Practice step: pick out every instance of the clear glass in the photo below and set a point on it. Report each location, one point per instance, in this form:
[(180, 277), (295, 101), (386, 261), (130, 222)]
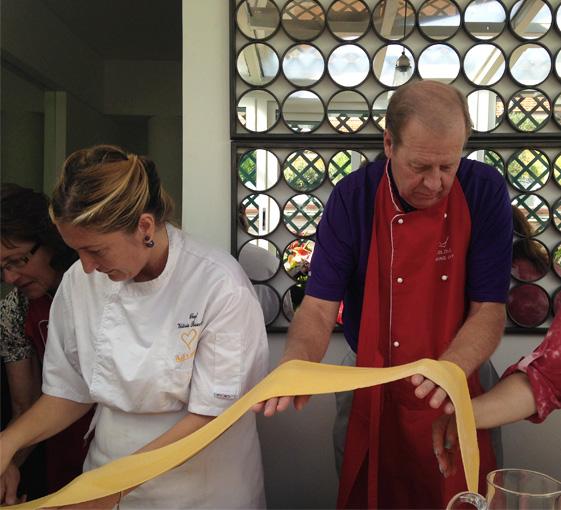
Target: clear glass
[(485, 19), (514, 489)]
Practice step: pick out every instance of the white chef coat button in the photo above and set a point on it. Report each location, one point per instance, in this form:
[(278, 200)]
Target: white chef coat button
[(400, 221), (396, 344), (444, 277), (400, 280)]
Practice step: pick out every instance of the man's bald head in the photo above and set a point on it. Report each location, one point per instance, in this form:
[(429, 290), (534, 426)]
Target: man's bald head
[(435, 105)]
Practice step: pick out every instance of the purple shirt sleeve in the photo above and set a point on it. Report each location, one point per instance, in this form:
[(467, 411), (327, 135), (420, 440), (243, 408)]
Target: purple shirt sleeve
[(490, 253)]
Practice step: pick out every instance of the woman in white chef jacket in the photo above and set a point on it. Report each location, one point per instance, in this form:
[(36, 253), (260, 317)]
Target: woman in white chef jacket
[(160, 331)]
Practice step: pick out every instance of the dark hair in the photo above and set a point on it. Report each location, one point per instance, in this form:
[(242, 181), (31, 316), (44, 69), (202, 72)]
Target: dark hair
[(25, 217), (108, 189)]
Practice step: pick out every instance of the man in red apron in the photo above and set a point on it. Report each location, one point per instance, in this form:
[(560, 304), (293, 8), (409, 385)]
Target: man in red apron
[(418, 247)]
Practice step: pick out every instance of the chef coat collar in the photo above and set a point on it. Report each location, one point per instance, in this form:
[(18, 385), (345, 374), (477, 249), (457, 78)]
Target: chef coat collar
[(133, 288), (404, 205)]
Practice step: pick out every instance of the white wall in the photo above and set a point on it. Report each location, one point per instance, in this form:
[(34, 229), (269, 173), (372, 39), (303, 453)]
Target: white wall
[(297, 450), (206, 142)]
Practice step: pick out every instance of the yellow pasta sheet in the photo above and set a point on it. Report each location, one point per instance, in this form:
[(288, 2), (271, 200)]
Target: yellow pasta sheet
[(292, 378)]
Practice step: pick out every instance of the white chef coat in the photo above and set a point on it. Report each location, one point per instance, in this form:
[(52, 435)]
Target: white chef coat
[(191, 340)]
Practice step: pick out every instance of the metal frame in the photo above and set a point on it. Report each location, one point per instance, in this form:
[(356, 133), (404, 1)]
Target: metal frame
[(242, 141)]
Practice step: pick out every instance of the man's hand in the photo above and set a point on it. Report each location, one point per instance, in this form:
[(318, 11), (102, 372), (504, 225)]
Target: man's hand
[(445, 444), (279, 404), (425, 386), (9, 482)]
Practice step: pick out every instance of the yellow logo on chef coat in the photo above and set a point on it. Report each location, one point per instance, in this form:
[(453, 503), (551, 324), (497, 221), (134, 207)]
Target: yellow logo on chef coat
[(189, 338)]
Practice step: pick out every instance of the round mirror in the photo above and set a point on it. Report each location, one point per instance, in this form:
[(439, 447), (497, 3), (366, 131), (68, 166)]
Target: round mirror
[(558, 64), (557, 169), (531, 215), (257, 64), (486, 109), (257, 110), (527, 305), (259, 214), (258, 19), (530, 260), (348, 111), (269, 300), (439, 62), (556, 301), (529, 110), (304, 170), (558, 19), (489, 157), (380, 107), (556, 214), (530, 19), (393, 65), (297, 257), (343, 163), (528, 170), (557, 110), (485, 19), (529, 64), (260, 259), (348, 20), (556, 262), (484, 64), (303, 111), (292, 299), (348, 65), (393, 20), (258, 169), (303, 20), (301, 215), (303, 65), (439, 19)]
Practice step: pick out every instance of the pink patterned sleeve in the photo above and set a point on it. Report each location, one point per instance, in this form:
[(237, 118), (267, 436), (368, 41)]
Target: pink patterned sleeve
[(543, 368)]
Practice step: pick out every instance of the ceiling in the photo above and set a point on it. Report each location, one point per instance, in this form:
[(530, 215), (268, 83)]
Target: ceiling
[(124, 29)]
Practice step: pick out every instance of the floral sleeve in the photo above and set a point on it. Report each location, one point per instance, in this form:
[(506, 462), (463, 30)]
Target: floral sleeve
[(543, 368), (14, 346)]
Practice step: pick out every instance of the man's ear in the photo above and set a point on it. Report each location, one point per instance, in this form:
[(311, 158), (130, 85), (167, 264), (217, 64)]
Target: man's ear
[(388, 143)]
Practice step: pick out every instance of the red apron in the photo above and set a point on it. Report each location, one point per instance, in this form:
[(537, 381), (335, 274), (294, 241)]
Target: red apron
[(414, 304), (66, 451)]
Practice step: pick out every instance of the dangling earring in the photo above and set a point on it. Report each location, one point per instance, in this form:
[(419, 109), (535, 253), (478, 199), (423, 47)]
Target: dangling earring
[(149, 243)]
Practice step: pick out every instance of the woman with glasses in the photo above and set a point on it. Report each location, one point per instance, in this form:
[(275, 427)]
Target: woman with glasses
[(33, 260), (159, 330)]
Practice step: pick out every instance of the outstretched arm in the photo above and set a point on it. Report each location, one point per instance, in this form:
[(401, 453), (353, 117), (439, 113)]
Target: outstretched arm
[(308, 339), (476, 340), (510, 400)]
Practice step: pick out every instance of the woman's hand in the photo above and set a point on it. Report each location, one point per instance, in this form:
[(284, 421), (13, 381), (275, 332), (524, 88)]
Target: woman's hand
[(445, 444), (9, 481)]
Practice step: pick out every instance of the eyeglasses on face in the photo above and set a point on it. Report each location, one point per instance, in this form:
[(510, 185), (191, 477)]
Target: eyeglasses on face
[(19, 262)]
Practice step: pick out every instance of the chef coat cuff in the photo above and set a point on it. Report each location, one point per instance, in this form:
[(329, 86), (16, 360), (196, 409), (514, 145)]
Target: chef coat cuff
[(207, 410), (67, 394)]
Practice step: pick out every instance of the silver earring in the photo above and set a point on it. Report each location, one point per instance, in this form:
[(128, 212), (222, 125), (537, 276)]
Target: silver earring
[(149, 243)]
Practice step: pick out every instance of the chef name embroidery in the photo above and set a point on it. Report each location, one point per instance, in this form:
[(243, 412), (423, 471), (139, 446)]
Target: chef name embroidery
[(444, 252), (189, 339)]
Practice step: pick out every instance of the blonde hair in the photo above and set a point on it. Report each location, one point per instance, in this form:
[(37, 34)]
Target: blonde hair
[(107, 189), (435, 104)]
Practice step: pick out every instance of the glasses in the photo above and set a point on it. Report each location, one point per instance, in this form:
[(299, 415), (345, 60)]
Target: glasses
[(18, 263)]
